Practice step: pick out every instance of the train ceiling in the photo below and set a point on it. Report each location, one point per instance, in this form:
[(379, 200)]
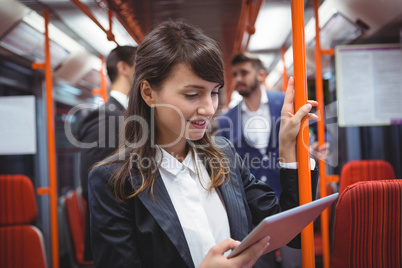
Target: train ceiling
[(219, 19), (229, 22)]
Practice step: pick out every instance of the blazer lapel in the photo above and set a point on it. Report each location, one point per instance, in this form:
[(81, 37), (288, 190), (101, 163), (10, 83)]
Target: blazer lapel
[(234, 207), (162, 209)]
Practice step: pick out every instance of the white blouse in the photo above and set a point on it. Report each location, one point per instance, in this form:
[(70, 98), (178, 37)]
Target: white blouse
[(202, 214)]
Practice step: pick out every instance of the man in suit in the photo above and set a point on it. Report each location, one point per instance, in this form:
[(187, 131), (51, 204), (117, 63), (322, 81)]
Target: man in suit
[(253, 128), (101, 126), (253, 125)]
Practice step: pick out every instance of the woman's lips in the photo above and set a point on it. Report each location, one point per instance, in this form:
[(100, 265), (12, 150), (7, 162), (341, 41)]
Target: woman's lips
[(200, 124)]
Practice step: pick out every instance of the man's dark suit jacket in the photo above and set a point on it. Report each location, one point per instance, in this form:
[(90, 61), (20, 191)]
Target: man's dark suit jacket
[(100, 127), (231, 127), (146, 232)]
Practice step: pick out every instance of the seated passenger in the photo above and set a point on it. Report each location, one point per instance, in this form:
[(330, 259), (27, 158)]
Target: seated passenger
[(172, 196)]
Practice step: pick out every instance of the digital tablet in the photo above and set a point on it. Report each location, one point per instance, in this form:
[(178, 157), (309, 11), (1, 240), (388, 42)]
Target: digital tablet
[(284, 226)]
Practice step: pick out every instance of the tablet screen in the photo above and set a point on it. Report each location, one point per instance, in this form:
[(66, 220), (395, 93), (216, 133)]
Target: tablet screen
[(284, 226)]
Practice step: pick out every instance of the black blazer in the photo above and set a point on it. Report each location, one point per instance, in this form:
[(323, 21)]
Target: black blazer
[(98, 127), (146, 232), (102, 127)]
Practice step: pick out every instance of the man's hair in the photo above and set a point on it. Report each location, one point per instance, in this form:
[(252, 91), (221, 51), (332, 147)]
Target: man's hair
[(248, 57), (120, 53)]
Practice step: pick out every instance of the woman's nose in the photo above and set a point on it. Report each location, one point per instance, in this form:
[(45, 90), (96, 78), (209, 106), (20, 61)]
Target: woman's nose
[(207, 108)]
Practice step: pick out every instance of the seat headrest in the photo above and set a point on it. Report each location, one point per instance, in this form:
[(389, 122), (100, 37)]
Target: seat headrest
[(17, 200)]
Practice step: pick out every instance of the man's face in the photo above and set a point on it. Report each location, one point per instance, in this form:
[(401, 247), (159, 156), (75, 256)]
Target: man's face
[(246, 78)]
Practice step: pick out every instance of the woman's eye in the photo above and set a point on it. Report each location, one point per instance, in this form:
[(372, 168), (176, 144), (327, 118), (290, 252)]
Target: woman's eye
[(191, 95), (215, 93)]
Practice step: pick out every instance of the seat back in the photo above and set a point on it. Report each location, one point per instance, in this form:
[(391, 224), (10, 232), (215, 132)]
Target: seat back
[(318, 239), (75, 208), (368, 226), (21, 245), (365, 170)]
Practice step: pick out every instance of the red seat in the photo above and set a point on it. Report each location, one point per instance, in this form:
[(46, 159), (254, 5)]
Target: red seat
[(318, 241), (75, 207), (368, 226), (365, 170), (21, 245)]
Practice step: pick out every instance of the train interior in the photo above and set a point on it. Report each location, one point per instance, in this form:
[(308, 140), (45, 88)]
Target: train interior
[(78, 47)]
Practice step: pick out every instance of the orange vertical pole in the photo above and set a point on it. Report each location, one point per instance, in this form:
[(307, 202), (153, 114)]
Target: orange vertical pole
[(51, 147), (321, 136), (52, 190), (103, 89), (303, 143), (284, 73)]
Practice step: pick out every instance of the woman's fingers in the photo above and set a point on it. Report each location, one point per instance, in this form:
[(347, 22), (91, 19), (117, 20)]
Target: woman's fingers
[(313, 102), (289, 97), (215, 256), (290, 123), (225, 245), (302, 112), (312, 116), (248, 257), (288, 103), (290, 89)]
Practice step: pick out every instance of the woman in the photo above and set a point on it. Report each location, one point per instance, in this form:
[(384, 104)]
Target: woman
[(172, 196)]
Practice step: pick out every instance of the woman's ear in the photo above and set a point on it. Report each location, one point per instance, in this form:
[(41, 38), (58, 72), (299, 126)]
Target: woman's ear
[(147, 94)]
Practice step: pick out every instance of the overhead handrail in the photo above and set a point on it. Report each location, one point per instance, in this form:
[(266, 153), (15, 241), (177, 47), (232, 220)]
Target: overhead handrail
[(102, 91), (88, 12), (110, 35), (248, 16), (52, 189), (253, 10), (321, 137), (127, 17), (303, 143), (236, 47)]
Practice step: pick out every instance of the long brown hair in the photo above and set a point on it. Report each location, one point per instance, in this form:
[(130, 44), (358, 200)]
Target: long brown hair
[(168, 45)]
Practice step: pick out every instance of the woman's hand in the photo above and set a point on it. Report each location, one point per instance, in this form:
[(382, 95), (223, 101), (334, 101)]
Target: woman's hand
[(290, 124), (319, 152), (247, 258)]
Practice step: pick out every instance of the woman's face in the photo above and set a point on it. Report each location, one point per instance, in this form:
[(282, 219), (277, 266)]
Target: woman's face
[(184, 106)]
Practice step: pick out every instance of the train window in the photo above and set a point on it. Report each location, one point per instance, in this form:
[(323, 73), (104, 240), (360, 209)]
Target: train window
[(16, 80)]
